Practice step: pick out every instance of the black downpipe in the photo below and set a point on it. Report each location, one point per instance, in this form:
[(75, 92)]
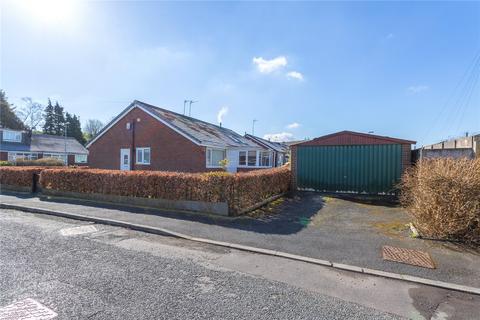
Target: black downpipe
[(133, 153)]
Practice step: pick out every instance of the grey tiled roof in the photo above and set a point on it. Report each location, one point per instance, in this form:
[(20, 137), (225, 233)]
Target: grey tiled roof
[(202, 132), (56, 144), (277, 146)]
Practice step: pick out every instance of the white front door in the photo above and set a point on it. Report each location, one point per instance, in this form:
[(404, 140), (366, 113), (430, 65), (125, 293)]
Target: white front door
[(124, 159)]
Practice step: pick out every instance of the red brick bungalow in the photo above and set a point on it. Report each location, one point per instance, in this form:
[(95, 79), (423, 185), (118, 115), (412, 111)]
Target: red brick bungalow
[(146, 137)]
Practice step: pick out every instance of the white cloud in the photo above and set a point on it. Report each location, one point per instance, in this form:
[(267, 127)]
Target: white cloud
[(269, 66), (417, 89), (279, 137), (293, 125), (221, 113), (295, 75)]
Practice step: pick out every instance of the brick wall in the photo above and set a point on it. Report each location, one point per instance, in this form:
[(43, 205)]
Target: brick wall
[(170, 151)]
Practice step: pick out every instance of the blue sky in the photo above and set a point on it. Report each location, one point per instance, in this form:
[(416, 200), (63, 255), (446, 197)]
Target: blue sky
[(302, 69)]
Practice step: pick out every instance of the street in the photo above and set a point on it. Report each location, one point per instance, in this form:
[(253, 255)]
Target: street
[(81, 270)]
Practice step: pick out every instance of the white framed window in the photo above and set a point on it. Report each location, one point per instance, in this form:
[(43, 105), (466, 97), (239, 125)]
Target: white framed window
[(265, 158), (143, 156), (14, 156), (12, 136), (247, 158), (214, 156), (80, 158)]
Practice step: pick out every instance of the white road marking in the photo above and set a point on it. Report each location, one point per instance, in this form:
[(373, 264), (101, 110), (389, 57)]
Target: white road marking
[(27, 309), (78, 230)]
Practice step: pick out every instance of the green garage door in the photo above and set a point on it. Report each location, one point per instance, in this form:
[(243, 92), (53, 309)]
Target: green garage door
[(351, 168)]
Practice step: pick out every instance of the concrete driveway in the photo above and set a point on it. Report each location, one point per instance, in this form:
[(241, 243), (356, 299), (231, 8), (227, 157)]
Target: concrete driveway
[(310, 224)]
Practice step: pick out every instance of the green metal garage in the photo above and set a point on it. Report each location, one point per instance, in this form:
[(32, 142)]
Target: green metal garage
[(349, 161)]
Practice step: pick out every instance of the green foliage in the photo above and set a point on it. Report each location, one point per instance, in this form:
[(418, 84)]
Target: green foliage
[(8, 118), (56, 120), (5, 164), (49, 118), (59, 118), (74, 128)]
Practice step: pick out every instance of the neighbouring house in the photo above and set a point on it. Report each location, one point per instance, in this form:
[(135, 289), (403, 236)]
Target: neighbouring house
[(279, 150), (463, 147), (350, 162), (146, 137), (17, 144)]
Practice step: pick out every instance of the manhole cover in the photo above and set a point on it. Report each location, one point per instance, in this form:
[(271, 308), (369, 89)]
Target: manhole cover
[(408, 256), (27, 309)]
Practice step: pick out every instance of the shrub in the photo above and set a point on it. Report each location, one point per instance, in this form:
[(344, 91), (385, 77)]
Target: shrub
[(443, 197), (18, 176), (240, 190), (255, 186), (43, 162), (5, 164)]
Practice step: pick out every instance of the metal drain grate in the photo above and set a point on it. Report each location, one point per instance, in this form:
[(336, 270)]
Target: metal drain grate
[(408, 256)]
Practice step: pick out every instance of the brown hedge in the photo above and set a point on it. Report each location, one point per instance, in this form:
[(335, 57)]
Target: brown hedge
[(240, 190), (18, 176), (443, 197)]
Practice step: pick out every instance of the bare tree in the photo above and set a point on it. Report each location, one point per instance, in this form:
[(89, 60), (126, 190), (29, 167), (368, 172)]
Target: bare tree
[(92, 128), (31, 113)]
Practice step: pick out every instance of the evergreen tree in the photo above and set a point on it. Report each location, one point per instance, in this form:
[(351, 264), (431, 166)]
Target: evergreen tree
[(49, 117), (74, 128), (8, 118), (59, 119)]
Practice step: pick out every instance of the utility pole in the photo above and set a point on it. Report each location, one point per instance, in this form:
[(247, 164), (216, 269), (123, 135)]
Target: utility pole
[(253, 126), (184, 103)]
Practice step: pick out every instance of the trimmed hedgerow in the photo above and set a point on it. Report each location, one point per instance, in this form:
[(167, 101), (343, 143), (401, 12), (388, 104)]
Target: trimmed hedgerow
[(42, 162), (18, 176), (240, 190), (443, 197)]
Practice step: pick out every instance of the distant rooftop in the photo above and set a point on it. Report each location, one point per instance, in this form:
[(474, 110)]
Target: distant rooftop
[(277, 146), (56, 144)]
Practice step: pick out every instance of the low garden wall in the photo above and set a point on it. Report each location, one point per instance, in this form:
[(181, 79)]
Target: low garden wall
[(443, 197), (215, 192)]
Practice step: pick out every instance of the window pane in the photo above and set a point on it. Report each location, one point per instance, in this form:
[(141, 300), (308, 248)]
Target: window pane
[(209, 157), (80, 158), (242, 158), (146, 156), (217, 156), (265, 159), (139, 156), (252, 158)]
